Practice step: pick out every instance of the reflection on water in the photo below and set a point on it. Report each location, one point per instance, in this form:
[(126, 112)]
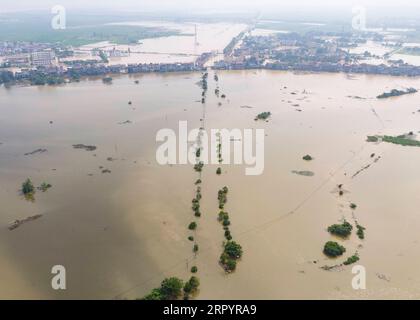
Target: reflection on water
[(120, 233)]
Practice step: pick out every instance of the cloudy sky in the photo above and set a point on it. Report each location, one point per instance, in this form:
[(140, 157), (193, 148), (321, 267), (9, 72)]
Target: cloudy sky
[(140, 5)]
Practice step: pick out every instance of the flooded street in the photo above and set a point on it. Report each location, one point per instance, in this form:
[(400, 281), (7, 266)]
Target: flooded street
[(193, 40), (117, 220)]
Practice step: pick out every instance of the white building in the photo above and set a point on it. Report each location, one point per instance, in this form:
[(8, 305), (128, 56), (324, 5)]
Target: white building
[(42, 58)]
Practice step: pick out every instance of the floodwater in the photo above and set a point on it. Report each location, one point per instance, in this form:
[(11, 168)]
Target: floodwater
[(119, 234), (193, 40)]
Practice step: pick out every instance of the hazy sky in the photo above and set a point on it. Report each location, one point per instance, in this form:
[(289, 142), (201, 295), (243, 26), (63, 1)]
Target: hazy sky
[(139, 5)]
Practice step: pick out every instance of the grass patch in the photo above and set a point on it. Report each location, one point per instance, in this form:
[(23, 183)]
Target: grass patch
[(263, 116), (28, 188), (231, 253), (372, 139), (341, 230), (360, 231), (192, 226), (402, 140), (396, 93), (350, 260), (307, 158), (333, 249)]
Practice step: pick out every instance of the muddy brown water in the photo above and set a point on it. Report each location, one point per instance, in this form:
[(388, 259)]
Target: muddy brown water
[(120, 233)]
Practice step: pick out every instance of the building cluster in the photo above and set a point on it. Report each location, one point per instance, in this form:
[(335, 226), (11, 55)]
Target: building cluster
[(60, 74), (307, 53), (42, 63), (9, 48)]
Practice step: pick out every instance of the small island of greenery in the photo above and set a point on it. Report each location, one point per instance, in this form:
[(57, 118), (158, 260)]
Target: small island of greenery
[(402, 140), (333, 249), (372, 139), (353, 259), (172, 289), (341, 230), (263, 116), (192, 226), (199, 166), (307, 158), (44, 186), (231, 253), (191, 287), (360, 231), (222, 197), (28, 187), (396, 93)]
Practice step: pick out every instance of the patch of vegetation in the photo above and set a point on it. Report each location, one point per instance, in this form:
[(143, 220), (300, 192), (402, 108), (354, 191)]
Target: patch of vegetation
[(372, 139), (196, 205), (28, 187), (304, 173), (231, 253), (224, 220), (350, 260), (170, 289), (360, 231), (155, 294), (342, 230), (191, 287), (219, 171), (198, 181), (191, 238), (222, 197), (263, 116), (192, 226), (199, 166), (333, 249), (307, 157), (39, 79), (228, 235), (403, 140), (44, 186), (396, 93), (103, 57), (194, 269), (223, 216), (195, 248), (353, 206)]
